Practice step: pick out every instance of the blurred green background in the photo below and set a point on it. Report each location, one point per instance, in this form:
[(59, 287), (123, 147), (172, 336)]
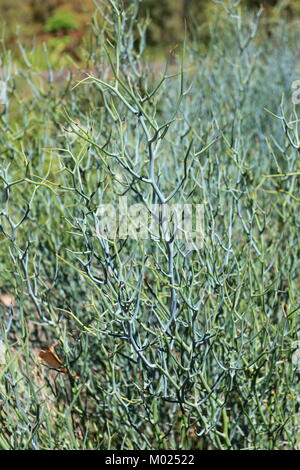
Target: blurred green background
[(64, 24)]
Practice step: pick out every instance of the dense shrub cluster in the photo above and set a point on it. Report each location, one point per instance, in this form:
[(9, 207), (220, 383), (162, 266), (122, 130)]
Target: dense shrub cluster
[(61, 21), (162, 346)]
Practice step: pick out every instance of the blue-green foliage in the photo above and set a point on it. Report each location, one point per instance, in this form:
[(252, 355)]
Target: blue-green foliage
[(174, 349)]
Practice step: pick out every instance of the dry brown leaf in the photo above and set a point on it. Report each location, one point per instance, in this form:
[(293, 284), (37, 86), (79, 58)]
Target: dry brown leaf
[(192, 432), (7, 300), (49, 357)]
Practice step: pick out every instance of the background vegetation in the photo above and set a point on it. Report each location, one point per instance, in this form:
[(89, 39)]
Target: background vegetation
[(169, 19), (157, 346)]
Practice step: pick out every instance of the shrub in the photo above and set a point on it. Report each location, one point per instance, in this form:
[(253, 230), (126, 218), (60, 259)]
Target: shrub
[(173, 348), (62, 21)]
